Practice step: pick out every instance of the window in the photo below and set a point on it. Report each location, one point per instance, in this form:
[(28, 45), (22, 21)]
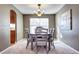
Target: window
[(36, 22)]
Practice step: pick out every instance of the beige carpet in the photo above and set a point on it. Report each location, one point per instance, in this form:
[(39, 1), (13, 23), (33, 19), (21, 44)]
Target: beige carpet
[(20, 48)]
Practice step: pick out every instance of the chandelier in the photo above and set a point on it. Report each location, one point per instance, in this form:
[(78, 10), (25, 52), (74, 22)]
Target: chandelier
[(39, 12)]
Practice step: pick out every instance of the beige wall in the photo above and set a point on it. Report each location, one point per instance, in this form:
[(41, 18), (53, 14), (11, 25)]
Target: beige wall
[(70, 37), (5, 25), (27, 18)]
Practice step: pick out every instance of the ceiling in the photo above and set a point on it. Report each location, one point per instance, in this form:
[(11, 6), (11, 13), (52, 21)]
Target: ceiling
[(30, 8)]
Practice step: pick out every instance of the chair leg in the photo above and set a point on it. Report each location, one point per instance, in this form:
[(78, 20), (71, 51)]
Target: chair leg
[(31, 45), (36, 48), (53, 45), (27, 44), (48, 46)]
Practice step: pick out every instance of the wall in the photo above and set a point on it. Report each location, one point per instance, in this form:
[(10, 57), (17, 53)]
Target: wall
[(5, 25), (27, 18), (71, 37)]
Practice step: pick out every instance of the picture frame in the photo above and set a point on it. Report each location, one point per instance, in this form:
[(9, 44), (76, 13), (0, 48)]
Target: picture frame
[(66, 20)]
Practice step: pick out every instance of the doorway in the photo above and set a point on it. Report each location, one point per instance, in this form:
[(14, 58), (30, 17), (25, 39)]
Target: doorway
[(12, 26)]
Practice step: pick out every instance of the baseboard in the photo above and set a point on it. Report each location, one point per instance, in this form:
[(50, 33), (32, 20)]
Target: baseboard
[(70, 47), (8, 47), (5, 50)]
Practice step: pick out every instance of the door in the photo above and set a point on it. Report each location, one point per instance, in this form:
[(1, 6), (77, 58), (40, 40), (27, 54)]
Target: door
[(12, 27)]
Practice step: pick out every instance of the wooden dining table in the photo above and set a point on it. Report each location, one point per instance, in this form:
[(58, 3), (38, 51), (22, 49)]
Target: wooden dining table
[(32, 35)]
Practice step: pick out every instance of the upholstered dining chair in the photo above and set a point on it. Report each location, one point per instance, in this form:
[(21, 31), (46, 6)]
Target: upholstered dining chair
[(41, 39)]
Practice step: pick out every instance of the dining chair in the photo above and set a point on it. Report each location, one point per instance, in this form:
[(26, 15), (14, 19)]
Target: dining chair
[(41, 39), (52, 32), (28, 37)]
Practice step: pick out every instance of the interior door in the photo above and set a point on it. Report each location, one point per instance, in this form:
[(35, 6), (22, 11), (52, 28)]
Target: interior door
[(12, 26)]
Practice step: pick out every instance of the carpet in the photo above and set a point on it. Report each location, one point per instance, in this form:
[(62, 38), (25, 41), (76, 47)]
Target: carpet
[(20, 48)]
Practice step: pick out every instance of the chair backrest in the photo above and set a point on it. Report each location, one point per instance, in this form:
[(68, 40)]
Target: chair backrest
[(52, 32), (41, 30), (27, 31), (42, 34), (37, 30), (44, 31)]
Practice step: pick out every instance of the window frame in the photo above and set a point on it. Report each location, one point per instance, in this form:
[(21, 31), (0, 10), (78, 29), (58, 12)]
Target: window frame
[(39, 22)]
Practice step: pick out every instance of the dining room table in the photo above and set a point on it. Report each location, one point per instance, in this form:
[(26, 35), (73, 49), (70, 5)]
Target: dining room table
[(32, 36)]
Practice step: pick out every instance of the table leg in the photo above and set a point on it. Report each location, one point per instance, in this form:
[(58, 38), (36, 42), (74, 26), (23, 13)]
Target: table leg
[(31, 45), (49, 45)]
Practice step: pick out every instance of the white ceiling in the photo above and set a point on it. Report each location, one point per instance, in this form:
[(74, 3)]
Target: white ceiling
[(30, 8)]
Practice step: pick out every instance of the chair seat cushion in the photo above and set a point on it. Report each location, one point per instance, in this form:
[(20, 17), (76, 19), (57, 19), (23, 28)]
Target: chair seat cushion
[(43, 43)]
